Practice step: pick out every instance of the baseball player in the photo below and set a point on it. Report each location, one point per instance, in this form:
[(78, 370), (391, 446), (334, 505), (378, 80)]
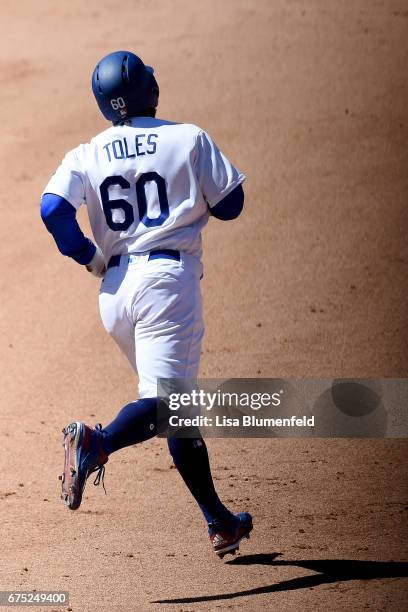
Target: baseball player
[(150, 186)]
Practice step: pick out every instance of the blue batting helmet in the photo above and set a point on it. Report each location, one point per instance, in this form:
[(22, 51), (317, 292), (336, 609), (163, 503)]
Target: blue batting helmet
[(123, 86)]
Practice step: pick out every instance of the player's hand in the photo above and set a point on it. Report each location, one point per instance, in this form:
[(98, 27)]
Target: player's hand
[(97, 265)]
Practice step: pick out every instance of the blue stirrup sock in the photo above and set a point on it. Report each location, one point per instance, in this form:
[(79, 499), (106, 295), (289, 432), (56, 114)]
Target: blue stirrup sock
[(135, 423), (190, 457)]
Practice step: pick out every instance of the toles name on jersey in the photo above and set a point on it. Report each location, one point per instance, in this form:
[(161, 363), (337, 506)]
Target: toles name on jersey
[(141, 144)]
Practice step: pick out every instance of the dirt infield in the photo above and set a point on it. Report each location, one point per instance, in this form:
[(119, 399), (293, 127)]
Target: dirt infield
[(310, 100)]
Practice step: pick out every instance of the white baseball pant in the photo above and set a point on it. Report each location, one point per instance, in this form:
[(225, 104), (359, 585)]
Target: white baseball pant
[(153, 311)]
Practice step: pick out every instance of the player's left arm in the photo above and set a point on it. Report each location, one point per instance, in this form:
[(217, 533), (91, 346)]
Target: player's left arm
[(220, 181), (229, 207)]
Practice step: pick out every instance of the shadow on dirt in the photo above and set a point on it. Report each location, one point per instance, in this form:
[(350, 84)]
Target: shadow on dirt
[(329, 571)]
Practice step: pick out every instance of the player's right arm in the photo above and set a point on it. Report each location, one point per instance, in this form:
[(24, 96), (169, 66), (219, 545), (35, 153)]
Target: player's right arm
[(62, 197), (59, 217)]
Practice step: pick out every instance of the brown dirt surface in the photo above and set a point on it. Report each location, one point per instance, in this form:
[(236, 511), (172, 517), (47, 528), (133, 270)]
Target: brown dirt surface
[(310, 100)]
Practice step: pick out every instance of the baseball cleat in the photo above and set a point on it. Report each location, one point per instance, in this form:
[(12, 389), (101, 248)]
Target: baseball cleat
[(83, 456), (225, 537)]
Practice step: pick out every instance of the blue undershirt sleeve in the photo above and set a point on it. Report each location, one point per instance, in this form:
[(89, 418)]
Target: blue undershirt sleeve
[(59, 217), (229, 207)]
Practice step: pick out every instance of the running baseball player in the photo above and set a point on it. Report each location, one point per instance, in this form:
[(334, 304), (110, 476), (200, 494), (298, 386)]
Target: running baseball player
[(150, 186)]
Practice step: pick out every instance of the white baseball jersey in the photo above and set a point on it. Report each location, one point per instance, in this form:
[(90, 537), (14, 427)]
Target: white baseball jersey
[(147, 185)]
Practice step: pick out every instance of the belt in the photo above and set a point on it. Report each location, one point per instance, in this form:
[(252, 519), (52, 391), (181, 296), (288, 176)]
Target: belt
[(156, 254)]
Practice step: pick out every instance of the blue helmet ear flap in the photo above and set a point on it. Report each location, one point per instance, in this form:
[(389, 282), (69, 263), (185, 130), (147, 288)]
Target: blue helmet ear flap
[(155, 92)]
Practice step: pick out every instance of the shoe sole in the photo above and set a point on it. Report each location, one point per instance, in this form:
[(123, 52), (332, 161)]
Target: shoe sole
[(71, 492), (232, 548)]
